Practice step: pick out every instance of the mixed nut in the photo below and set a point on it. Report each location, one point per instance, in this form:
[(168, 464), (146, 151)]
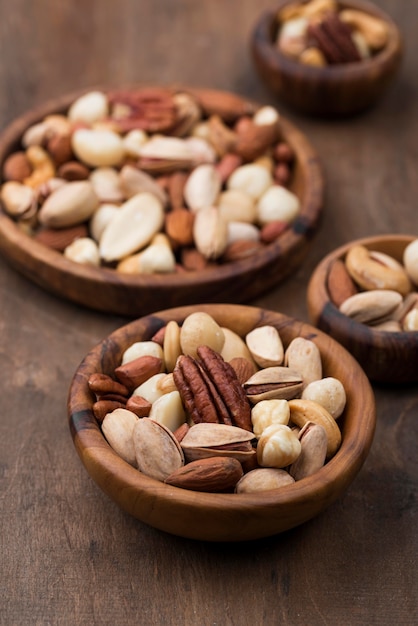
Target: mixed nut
[(199, 407), (374, 288), (153, 180), (322, 32)]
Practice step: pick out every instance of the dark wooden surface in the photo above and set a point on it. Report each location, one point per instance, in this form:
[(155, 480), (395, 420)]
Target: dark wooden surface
[(68, 554)]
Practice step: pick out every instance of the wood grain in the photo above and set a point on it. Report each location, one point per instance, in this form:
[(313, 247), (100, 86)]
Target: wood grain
[(218, 517), (69, 554), (334, 90), (114, 292), (386, 357)]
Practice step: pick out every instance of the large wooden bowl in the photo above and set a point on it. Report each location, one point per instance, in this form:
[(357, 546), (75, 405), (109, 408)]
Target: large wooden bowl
[(385, 357), (331, 91), (222, 517), (106, 290)]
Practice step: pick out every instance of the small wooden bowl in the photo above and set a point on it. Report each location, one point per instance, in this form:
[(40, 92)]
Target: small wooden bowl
[(332, 91), (385, 357), (110, 291), (222, 517)]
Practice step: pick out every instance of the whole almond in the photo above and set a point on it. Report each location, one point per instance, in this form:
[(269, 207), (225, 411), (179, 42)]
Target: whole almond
[(241, 249), (272, 230), (340, 284), (73, 170), (17, 167), (59, 239), (179, 226), (211, 474), (59, 147)]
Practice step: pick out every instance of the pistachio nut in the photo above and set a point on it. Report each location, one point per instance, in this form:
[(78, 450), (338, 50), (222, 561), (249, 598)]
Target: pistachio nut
[(118, 427), (157, 451), (263, 479), (278, 382), (313, 440), (370, 306), (302, 355), (410, 261), (70, 204)]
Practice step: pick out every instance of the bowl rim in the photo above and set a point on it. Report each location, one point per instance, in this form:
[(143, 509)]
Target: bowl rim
[(316, 285), (262, 37), (12, 236), (101, 461)]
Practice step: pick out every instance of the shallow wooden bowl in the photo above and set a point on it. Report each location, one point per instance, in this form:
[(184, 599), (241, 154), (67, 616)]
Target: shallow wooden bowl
[(332, 91), (385, 357), (106, 290), (222, 517)]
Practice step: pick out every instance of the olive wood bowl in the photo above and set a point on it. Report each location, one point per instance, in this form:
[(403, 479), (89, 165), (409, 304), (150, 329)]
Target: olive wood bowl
[(386, 357), (108, 291), (224, 516), (331, 91)]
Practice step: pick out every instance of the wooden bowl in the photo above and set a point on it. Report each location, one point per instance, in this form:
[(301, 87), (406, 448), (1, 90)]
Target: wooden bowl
[(106, 290), (222, 517), (385, 357), (331, 91)]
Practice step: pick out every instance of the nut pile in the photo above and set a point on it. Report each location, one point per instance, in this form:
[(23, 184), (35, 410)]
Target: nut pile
[(201, 408), (153, 180), (320, 33), (375, 289)]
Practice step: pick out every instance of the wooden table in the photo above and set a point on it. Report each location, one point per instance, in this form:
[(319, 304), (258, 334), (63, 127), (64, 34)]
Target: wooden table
[(68, 554)]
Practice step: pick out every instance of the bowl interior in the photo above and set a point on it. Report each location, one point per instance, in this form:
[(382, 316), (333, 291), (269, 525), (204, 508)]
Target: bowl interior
[(106, 290), (385, 357), (222, 517)]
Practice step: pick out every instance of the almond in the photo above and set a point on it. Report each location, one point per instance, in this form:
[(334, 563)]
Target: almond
[(17, 167), (59, 239), (272, 230), (340, 284), (209, 474), (241, 249), (179, 226)]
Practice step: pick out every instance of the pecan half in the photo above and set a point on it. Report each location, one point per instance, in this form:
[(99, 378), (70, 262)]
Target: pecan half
[(333, 38), (227, 385), (210, 390), (152, 110)]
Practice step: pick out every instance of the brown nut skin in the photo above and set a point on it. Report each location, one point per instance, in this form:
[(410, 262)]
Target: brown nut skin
[(102, 407), (102, 384), (17, 167), (339, 282), (209, 475), (136, 372)]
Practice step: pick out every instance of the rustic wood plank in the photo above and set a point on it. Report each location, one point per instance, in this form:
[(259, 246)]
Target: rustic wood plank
[(69, 555)]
